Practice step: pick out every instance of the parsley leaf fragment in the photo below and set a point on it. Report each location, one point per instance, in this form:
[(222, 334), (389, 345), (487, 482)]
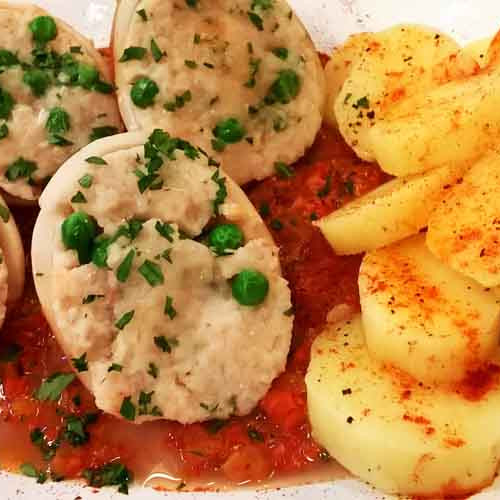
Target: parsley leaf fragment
[(52, 388)]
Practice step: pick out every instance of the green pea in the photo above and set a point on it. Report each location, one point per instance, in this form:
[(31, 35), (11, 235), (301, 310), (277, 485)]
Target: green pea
[(225, 237), (58, 121), (87, 75), (229, 131), (6, 104), (44, 29), (285, 88), (100, 252), (250, 287), (143, 92), (78, 232), (38, 81)]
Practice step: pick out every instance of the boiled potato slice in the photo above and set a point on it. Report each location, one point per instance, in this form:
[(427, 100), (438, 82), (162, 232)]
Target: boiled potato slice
[(394, 64), (422, 317), (400, 436), (453, 124), (478, 50), (464, 230), (392, 212), (339, 66)]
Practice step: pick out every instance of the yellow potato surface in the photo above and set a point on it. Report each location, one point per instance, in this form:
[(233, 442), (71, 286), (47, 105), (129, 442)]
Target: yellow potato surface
[(464, 230), (422, 316), (452, 125), (394, 64), (392, 212), (400, 436)]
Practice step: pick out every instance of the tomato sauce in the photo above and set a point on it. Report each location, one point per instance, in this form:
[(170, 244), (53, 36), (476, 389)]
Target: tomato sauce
[(275, 440)]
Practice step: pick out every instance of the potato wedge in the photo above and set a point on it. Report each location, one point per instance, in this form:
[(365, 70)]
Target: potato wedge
[(454, 125), (387, 429), (392, 212), (395, 63), (424, 318), (478, 50), (464, 230), (341, 62)]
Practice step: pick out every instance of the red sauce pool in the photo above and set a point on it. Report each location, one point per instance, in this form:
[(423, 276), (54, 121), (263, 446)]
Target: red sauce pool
[(275, 440)]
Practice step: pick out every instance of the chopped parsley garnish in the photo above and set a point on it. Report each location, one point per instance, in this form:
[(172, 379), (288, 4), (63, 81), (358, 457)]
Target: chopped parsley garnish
[(165, 230), (153, 370), (131, 229), (255, 435), (96, 160), (8, 59), (79, 197), (327, 187), (59, 140), (76, 49), (39, 440), (6, 104), (169, 309), (29, 470), (125, 320), (362, 103), (91, 298), (115, 367), (86, 181), (166, 255), (192, 3), (58, 121), (164, 344), (214, 426), (156, 52), (81, 364), (264, 210), (283, 170), (145, 406), (21, 168), (276, 224), (179, 101), (127, 409), (52, 388), (262, 4), (281, 53), (142, 14), (100, 132), (4, 213), (256, 20), (111, 474), (221, 194), (254, 65), (151, 272), (78, 232), (191, 64), (4, 131), (123, 271), (133, 53), (75, 432), (196, 38), (349, 186)]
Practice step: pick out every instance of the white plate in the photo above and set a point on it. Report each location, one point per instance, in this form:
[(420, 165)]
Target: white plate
[(329, 22)]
